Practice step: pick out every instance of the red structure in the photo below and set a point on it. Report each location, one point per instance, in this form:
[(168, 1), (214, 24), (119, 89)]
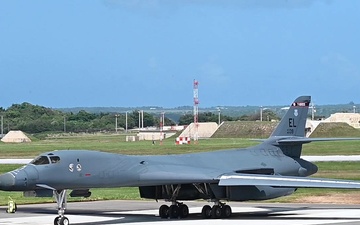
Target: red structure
[(196, 111), (162, 123)]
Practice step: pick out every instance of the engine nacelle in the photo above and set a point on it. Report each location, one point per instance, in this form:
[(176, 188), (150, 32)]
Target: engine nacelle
[(245, 193), (39, 193), (80, 193)]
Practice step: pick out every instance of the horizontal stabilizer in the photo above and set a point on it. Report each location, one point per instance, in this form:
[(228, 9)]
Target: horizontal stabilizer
[(305, 140), (285, 181)]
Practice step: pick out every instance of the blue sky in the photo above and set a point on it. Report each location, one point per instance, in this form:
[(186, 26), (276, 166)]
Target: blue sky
[(72, 53)]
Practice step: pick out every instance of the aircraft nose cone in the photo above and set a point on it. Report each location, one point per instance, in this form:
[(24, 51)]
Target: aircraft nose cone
[(7, 181)]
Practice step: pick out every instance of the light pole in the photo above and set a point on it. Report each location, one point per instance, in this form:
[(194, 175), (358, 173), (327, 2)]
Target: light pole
[(354, 107), (116, 122), (139, 119), (126, 122), (142, 119), (2, 126), (219, 113)]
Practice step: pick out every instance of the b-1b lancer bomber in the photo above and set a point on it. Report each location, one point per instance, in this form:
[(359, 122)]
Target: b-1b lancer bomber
[(272, 169)]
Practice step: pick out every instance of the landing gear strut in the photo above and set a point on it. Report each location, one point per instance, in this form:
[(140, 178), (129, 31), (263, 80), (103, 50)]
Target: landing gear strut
[(60, 197)]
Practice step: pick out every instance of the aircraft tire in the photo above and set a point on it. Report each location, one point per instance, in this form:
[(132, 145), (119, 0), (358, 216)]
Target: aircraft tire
[(216, 212), (174, 211), (56, 220), (226, 211), (206, 212), (164, 211), (183, 211), (64, 221)]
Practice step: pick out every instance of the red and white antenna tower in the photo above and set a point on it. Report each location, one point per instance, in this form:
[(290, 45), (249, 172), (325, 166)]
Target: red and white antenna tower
[(162, 123), (196, 111)]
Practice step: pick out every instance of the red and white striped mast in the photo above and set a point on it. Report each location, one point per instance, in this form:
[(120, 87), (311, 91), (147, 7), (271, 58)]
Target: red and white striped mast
[(162, 123), (196, 111)]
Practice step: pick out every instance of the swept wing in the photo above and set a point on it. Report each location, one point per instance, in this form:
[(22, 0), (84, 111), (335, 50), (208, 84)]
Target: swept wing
[(285, 181)]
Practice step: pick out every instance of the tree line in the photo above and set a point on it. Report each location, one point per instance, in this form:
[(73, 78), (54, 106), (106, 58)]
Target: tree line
[(37, 119)]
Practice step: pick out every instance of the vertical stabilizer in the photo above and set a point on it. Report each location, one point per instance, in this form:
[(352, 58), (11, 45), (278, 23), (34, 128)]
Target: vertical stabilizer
[(293, 123)]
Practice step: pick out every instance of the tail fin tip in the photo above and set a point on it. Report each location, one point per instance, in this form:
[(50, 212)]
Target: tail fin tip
[(293, 122)]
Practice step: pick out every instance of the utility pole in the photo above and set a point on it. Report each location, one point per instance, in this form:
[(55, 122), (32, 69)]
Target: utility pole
[(64, 124), (116, 122), (126, 122), (261, 113), (139, 119), (142, 119), (219, 111), (2, 126)]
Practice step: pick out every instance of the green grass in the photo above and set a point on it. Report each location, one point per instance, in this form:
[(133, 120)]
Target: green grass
[(332, 148), (117, 144), (335, 130)]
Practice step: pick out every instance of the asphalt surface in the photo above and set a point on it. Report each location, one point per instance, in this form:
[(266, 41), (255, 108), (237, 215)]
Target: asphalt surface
[(146, 212)]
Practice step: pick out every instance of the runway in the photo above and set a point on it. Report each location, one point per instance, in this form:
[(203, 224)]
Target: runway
[(146, 212)]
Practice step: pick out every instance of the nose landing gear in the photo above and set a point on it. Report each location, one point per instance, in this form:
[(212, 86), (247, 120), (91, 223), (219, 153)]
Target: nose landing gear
[(60, 197)]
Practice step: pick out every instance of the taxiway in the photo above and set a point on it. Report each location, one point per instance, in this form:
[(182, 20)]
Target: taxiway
[(146, 212)]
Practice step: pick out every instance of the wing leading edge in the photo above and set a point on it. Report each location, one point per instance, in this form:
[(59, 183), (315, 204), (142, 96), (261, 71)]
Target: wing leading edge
[(285, 181)]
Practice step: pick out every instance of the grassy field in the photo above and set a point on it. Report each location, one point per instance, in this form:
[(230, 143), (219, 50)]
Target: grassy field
[(116, 143)]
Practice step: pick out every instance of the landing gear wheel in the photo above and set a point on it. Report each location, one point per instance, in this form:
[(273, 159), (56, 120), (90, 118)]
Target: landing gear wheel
[(56, 220), (216, 212), (206, 212), (64, 221), (183, 211), (174, 211), (226, 211), (164, 211)]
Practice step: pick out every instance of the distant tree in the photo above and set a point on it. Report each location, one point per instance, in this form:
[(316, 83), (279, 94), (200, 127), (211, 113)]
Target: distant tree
[(186, 119), (267, 115), (83, 116), (204, 117)]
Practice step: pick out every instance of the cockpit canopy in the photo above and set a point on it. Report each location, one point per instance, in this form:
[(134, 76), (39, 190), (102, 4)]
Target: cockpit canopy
[(46, 159)]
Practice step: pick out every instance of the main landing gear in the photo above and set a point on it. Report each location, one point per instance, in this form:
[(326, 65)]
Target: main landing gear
[(180, 210), (176, 210), (60, 197), (219, 210)]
